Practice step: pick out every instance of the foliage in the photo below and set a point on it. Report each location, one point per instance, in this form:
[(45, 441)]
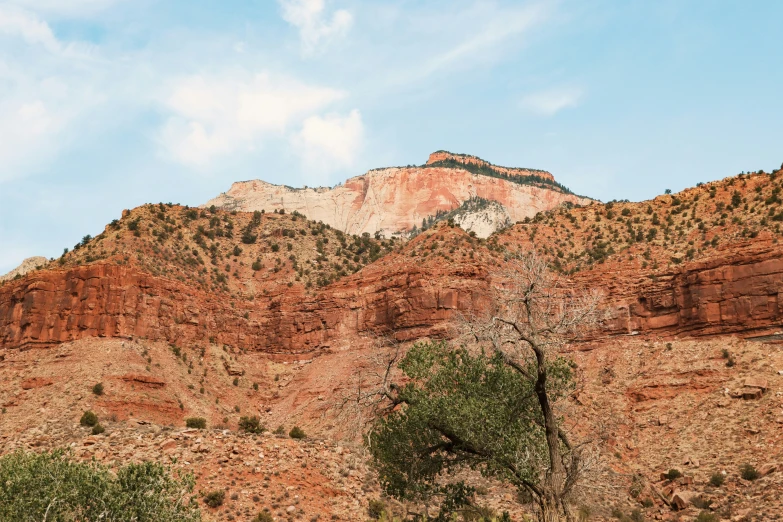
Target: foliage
[(54, 487), (196, 422), (251, 424), (673, 474), (215, 498), (297, 433), (88, 419), (98, 429), (264, 516), (748, 472), (98, 389), (462, 410), (717, 479)]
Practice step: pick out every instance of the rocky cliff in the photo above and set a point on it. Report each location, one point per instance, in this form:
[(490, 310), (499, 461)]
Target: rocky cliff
[(394, 200), (443, 156)]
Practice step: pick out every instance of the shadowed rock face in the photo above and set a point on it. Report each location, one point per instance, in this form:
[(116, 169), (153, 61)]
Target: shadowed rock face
[(396, 199)]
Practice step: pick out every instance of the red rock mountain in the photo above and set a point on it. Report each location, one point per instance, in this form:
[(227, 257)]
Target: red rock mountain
[(394, 200)]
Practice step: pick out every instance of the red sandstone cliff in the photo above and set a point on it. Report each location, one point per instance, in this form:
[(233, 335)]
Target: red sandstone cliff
[(467, 159)]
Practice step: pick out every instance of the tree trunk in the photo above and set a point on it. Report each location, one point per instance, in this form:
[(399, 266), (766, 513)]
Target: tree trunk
[(549, 509)]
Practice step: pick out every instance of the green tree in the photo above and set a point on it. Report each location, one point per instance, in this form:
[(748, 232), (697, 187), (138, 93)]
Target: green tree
[(54, 487), (491, 403)]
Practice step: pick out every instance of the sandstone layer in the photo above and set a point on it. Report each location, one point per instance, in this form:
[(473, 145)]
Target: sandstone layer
[(394, 200)]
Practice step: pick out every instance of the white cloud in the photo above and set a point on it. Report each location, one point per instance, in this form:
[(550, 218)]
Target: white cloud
[(19, 23), (315, 30), (550, 102), (213, 116), (329, 143)]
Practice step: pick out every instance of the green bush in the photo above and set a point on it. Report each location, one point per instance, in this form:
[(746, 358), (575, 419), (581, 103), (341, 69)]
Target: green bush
[(251, 424), (706, 516), (717, 479), (263, 516), (196, 422), (98, 389), (98, 429), (673, 474), (297, 433), (88, 419), (215, 498), (748, 472), (280, 430), (53, 486)]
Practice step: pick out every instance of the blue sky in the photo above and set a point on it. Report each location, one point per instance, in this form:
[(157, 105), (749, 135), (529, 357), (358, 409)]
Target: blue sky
[(108, 104)]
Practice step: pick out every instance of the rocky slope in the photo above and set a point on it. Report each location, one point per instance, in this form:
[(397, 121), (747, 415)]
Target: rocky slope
[(179, 317), (394, 200)]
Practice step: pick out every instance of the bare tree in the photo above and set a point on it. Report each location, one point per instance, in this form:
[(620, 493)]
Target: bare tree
[(534, 316)]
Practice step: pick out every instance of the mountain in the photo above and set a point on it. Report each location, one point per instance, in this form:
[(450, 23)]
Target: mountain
[(29, 264), (394, 201), (221, 313)]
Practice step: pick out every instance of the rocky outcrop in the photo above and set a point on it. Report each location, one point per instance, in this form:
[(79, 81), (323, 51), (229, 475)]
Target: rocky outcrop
[(738, 290), (28, 265), (105, 300), (442, 155), (394, 200)]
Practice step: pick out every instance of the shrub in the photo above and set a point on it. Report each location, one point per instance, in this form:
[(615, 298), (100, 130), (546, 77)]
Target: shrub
[(706, 516), (236, 381), (196, 422), (748, 472), (215, 498), (251, 425), (673, 474), (88, 419), (98, 389), (280, 430), (376, 509), (54, 486), (297, 433), (263, 516), (717, 479), (98, 429)]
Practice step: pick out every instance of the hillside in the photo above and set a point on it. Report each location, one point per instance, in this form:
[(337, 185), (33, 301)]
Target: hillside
[(392, 201), (178, 316)]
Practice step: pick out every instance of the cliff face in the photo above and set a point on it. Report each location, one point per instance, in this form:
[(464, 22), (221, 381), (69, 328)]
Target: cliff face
[(739, 290), (466, 159), (395, 199)]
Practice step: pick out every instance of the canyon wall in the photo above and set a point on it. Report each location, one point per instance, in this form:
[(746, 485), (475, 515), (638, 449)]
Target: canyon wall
[(738, 291)]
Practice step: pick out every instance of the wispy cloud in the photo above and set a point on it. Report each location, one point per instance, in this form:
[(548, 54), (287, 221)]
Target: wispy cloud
[(329, 143), (216, 115), (552, 101), (316, 29)]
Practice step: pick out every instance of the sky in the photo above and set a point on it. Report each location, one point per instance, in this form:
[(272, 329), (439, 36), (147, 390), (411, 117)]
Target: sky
[(110, 104)]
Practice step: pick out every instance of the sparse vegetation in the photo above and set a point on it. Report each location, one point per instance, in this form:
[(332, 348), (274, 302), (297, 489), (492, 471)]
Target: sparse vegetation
[(297, 433), (748, 472), (215, 498), (98, 389), (53, 486), (88, 419), (251, 425), (199, 423)]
